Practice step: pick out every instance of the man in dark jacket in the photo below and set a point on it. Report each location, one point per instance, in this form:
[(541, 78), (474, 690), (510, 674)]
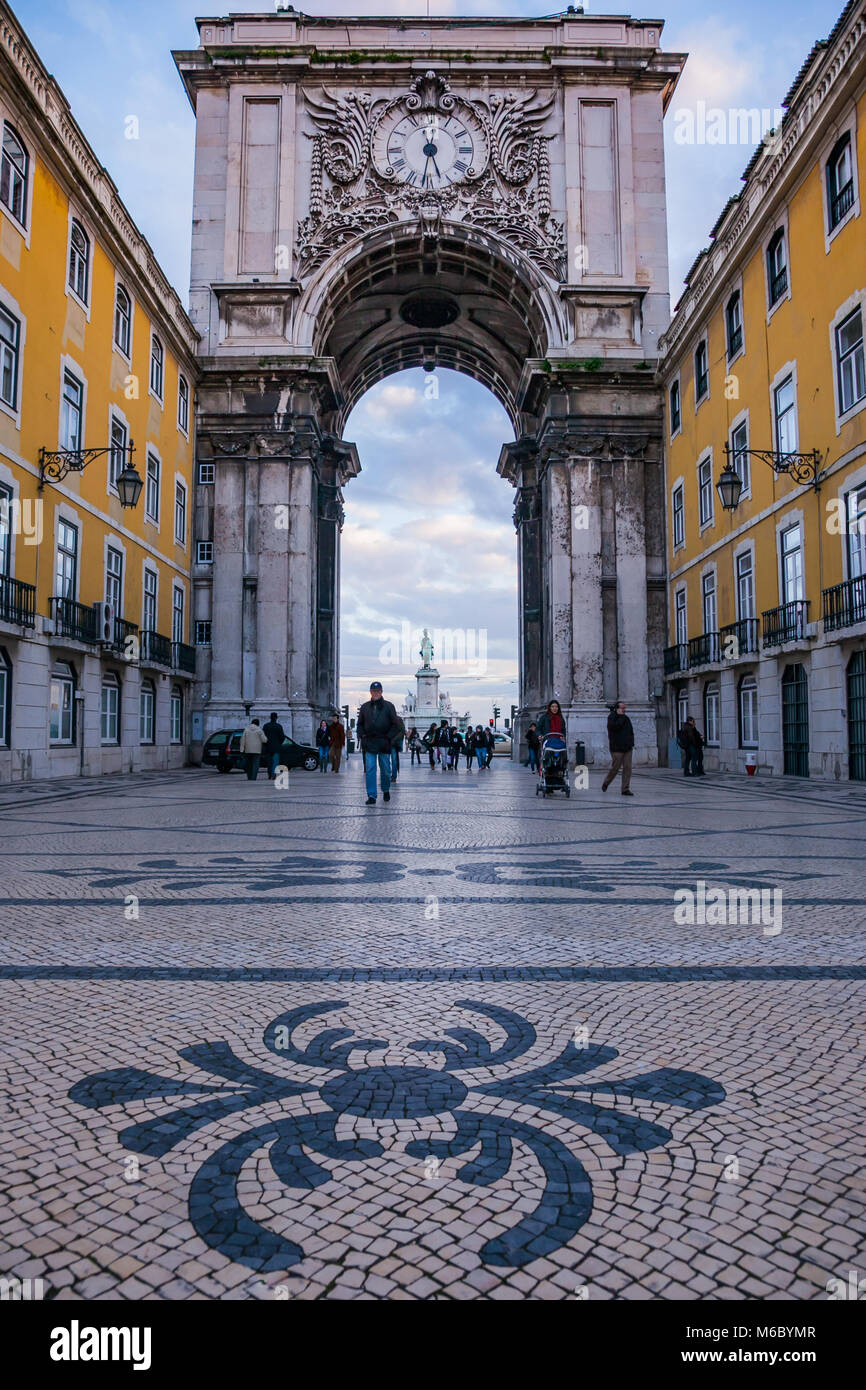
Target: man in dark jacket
[(620, 737), (275, 737), (692, 745), (378, 725)]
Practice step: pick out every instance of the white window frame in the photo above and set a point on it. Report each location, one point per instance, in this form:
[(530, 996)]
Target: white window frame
[(62, 680), (71, 292), (6, 675), (735, 289), (675, 381), (746, 551), (178, 590), (747, 683), (709, 591), (741, 422), (175, 699), (201, 640), (206, 482), (118, 286), (846, 127), (780, 226), (681, 610), (785, 526), (180, 486), (200, 547), (183, 379), (845, 310), (712, 692), (11, 307), (112, 548), (147, 695), (21, 225), (13, 348), (147, 571), (109, 710), (68, 366), (152, 455), (678, 487), (705, 342), (74, 525), (789, 370), (706, 460), (115, 417), (157, 395)]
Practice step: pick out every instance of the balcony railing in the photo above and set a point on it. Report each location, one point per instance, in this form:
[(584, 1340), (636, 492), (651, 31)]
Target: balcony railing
[(779, 285), (122, 633), (183, 657), (704, 650), (845, 604), (735, 342), (155, 647), (744, 635), (787, 623), (17, 602), (841, 203), (676, 658), (73, 620)]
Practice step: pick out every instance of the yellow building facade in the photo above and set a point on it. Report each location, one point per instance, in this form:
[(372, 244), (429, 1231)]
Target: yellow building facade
[(763, 367), (97, 376)]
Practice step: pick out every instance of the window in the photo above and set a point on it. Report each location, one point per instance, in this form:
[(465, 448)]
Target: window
[(680, 620), (711, 714), (740, 456), (202, 632), (61, 704), (114, 578), (10, 338), (66, 570), (183, 404), (745, 585), (122, 320), (180, 513), (792, 564), (79, 261), (177, 614), (151, 489), (148, 608), (146, 712), (785, 416), (682, 705), (109, 709), (748, 700), (157, 366), (840, 181), (205, 472), (5, 530), (204, 553), (855, 514), (676, 420), (5, 699), (734, 324), (176, 715), (117, 456), (777, 267), (71, 413), (702, 380), (705, 491), (679, 516), (708, 601), (14, 167), (849, 361)]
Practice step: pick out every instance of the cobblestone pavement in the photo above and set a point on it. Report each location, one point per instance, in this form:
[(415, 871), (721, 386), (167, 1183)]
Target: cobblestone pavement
[(267, 1042)]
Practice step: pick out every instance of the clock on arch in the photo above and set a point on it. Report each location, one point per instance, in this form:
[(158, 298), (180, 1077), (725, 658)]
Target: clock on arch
[(430, 150)]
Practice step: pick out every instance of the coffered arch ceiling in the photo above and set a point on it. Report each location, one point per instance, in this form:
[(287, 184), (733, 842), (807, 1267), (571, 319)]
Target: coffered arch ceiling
[(401, 299)]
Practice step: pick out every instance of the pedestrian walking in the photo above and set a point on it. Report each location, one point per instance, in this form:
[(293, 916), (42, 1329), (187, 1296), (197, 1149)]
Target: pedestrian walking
[(455, 748), (443, 741), (275, 737), (691, 742), (338, 742), (396, 745), (480, 748), (429, 741), (533, 747), (323, 743), (252, 743), (490, 744), (469, 747), (414, 744), (377, 724), (552, 721), (620, 737)]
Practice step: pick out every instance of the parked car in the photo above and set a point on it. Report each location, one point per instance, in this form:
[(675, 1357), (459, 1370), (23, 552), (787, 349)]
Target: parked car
[(223, 751), (502, 744)]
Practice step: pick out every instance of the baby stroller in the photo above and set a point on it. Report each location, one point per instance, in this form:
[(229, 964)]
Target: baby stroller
[(554, 767)]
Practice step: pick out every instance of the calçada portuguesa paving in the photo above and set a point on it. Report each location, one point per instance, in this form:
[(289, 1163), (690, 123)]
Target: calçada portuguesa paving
[(269, 1043)]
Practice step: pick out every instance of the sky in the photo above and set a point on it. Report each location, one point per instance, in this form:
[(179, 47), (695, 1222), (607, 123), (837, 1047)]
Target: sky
[(425, 543)]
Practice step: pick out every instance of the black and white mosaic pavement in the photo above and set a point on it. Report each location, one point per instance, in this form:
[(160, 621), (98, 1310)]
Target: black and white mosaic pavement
[(273, 1043)]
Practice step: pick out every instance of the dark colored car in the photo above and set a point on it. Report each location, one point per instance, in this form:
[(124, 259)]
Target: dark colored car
[(223, 751)]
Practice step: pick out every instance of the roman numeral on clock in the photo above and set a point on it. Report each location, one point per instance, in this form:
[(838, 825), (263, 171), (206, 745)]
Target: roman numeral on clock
[(460, 166)]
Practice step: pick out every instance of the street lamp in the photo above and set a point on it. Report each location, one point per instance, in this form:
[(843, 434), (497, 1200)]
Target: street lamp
[(54, 464), (729, 487), (129, 485)]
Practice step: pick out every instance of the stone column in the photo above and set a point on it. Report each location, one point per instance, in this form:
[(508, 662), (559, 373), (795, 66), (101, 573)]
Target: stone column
[(558, 525), (518, 463), (228, 570), (628, 481)]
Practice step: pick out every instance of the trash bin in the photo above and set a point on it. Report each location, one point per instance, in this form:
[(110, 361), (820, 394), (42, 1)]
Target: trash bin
[(350, 746), (751, 763), (580, 754)]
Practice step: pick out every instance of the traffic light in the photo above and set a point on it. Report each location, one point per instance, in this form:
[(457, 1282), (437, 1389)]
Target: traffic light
[(346, 715), (491, 721), (496, 713), (513, 713)]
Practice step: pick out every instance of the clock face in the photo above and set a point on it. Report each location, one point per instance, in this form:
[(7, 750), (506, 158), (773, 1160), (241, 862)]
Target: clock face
[(427, 150)]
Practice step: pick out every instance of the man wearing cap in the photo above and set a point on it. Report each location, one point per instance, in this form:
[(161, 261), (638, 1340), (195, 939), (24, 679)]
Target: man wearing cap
[(378, 727)]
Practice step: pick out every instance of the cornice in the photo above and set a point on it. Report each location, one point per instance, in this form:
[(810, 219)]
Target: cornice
[(779, 160)]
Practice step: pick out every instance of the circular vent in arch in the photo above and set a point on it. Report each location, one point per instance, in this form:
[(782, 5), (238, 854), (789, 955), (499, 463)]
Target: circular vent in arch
[(428, 310)]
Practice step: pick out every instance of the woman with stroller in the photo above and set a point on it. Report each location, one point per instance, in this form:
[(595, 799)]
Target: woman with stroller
[(323, 743), (551, 722)]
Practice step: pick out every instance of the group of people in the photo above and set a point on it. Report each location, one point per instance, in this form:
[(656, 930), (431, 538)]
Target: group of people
[(330, 742), (691, 743), (444, 745)]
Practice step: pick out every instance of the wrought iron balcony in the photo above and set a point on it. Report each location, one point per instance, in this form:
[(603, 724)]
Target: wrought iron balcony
[(746, 633), (122, 632), (841, 203), (183, 657), (779, 285), (704, 650), (73, 620), (676, 658), (17, 602), (845, 604), (155, 648), (735, 342), (787, 623)]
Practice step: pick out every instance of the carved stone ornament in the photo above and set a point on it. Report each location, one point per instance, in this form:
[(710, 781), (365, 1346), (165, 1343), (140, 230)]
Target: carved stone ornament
[(528, 505), (249, 444), (426, 155)]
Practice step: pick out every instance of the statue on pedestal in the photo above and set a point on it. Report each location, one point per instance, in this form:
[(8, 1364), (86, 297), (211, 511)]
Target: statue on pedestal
[(426, 652)]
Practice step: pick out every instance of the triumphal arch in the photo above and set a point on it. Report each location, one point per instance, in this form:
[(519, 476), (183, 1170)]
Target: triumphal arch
[(481, 194)]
